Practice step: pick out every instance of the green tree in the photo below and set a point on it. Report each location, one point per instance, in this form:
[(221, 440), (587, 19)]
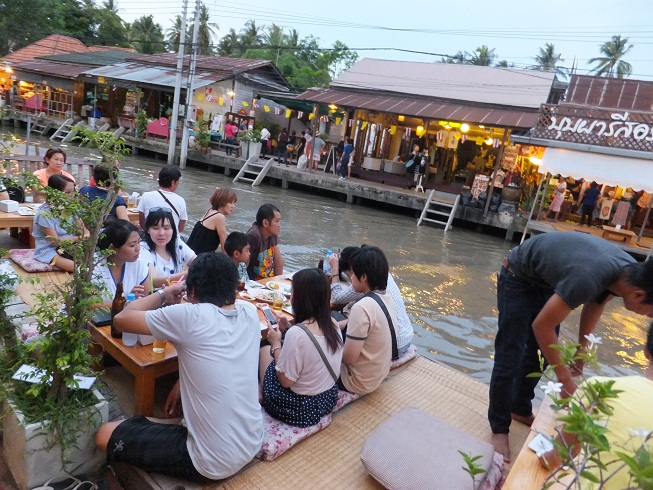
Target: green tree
[(547, 60), (173, 36), (611, 63), (250, 36), (146, 36), (460, 58), (229, 45), (482, 56), (207, 31), (111, 29)]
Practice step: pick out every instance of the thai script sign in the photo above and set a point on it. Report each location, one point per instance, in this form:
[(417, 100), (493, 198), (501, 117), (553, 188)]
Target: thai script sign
[(628, 130)]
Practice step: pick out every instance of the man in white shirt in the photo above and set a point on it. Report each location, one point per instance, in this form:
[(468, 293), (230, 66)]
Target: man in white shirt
[(265, 137), (165, 197), (217, 340)]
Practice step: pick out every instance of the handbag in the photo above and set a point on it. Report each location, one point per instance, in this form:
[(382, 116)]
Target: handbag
[(302, 161), (409, 162), (290, 148)]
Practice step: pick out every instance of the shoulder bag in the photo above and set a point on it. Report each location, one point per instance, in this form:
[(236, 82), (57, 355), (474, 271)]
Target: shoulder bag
[(375, 297), (171, 205), (319, 349)]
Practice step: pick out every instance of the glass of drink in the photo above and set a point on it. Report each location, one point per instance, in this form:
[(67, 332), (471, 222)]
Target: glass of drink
[(131, 202), (159, 346), (277, 303)]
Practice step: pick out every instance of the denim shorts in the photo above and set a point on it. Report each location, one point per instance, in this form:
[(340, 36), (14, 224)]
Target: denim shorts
[(153, 447)]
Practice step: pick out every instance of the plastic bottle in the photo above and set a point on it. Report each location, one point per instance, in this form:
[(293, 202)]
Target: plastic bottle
[(116, 307), (326, 266), (129, 339)]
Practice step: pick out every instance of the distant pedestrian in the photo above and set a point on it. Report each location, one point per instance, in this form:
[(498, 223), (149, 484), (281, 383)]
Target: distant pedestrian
[(318, 146), (265, 140), (282, 142), (589, 203), (230, 131), (345, 159), (165, 197)]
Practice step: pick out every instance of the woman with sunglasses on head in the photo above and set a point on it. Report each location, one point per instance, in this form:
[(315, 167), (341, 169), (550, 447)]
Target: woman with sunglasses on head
[(50, 230), (164, 252), (299, 379), (211, 230), (54, 159), (123, 264)]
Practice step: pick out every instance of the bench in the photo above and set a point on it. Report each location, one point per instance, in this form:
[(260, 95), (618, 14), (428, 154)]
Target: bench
[(619, 235)]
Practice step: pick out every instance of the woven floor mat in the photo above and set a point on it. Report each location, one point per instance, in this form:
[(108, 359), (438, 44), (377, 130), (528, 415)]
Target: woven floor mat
[(331, 458)]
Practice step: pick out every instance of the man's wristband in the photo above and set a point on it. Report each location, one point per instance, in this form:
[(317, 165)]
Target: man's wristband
[(163, 295), (335, 275)]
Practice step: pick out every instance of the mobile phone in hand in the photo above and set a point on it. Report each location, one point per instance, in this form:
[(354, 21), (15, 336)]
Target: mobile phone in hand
[(270, 316)]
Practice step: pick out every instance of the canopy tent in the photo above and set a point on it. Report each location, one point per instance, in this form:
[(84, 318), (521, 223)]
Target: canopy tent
[(605, 169)]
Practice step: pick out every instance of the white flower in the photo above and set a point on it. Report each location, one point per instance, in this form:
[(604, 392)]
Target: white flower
[(643, 433), (593, 339), (552, 387)]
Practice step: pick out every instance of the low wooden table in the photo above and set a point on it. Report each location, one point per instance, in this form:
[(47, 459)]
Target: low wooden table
[(526, 472), (142, 362), (621, 235), (15, 221)]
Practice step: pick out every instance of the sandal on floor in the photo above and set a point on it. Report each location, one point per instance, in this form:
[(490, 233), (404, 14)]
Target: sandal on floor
[(86, 485), (70, 482)]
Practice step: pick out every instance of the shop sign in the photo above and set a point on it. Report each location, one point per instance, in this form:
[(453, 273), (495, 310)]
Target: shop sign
[(628, 130)]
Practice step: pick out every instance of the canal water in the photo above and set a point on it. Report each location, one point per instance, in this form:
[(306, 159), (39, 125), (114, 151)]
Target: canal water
[(448, 280)]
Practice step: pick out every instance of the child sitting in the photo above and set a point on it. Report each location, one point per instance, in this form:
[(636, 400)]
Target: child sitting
[(236, 246)]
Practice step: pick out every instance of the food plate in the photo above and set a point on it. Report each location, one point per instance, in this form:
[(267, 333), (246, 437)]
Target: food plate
[(246, 296), (262, 295), (278, 286)]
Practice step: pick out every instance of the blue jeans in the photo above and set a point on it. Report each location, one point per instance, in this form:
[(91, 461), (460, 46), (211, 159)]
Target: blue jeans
[(282, 151), (515, 350)]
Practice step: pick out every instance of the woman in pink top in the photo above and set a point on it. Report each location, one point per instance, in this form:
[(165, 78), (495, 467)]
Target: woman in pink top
[(54, 159), (230, 132)]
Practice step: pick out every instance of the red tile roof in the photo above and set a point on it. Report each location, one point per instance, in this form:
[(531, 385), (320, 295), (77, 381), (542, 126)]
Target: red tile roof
[(55, 44)]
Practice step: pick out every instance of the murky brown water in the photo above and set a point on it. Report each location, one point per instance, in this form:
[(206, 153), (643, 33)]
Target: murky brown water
[(448, 279)]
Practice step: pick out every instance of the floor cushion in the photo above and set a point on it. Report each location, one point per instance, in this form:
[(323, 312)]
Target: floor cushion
[(413, 449), (278, 436), (24, 257), (411, 353), (345, 398)]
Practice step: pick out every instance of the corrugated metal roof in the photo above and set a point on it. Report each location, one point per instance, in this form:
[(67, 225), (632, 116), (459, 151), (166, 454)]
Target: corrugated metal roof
[(612, 93), (482, 84), (68, 71), (209, 63), (426, 108), (95, 58), (150, 75)]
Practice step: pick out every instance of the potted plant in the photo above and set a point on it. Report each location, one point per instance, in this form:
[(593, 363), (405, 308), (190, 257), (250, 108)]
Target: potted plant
[(141, 124), (252, 139), (49, 424), (203, 136)]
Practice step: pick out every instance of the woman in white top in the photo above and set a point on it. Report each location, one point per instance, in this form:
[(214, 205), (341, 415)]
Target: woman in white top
[(123, 265), (298, 386), (164, 252)]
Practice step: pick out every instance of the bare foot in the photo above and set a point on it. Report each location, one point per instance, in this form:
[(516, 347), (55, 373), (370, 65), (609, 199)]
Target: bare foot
[(524, 419), (501, 445)]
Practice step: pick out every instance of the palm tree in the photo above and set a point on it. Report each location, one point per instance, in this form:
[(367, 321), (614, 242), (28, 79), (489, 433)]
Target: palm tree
[(229, 45), (482, 56), (206, 32), (146, 35), (173, 35), (547, 60), (612, 65), (111, 6), (250, 36), (459, 58)]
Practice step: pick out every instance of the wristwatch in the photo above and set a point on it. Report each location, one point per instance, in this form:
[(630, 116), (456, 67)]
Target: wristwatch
[(272, 349), (163, 295)]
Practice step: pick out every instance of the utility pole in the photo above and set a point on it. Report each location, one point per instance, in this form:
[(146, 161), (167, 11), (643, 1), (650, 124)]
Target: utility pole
[(175, 103), (189, 86)]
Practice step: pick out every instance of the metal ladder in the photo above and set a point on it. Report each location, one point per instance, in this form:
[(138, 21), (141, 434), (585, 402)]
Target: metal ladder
[(65, 132), (40, 126), (442, 207), (254, 172)]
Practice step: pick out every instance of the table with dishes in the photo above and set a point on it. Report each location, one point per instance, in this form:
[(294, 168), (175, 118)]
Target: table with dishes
[(146, 365)]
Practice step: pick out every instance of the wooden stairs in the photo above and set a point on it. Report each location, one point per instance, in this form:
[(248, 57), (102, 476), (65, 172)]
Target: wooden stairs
[(66, 131), (441, 207), (253, 171)]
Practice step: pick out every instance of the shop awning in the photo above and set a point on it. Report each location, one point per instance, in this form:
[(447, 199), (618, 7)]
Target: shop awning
[(605, 169), (425, 108)]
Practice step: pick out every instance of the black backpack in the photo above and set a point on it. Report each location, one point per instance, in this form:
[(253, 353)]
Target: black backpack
[(16, 193)]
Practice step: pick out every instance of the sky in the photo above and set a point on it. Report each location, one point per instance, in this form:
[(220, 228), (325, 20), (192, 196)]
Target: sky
[(515, 29)]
